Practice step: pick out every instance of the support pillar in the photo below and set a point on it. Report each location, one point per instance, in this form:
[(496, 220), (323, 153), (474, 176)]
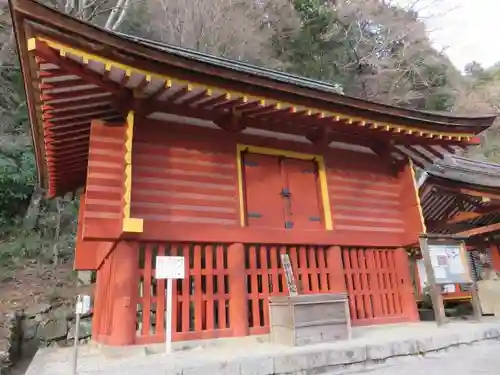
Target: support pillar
[(405, 285), (336, 271), (238, 308), (495, 257), (125, 278)]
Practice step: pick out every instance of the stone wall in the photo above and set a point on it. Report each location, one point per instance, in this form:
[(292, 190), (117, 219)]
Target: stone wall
[(22, 333), (10, 341)]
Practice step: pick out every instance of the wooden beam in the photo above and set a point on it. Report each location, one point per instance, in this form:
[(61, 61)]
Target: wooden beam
[(463, 216), (230, 122), (481, 211), (41, 49), (481, 230)]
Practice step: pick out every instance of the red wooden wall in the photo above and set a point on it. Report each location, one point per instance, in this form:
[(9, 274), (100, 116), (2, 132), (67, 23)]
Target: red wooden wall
[(105, 172), (178, 179), (365, 196), (182, 176)]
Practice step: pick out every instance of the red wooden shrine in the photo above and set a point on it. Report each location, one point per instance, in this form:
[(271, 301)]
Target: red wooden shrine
[(228, 165), (462, 196)]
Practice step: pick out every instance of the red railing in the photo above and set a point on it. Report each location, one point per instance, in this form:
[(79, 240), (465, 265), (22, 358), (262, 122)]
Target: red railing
[(265, 277), (200, 300), (226, 288), (375, 283)]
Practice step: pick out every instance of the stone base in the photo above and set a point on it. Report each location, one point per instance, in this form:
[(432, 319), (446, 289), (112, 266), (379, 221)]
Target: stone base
[(369, 345)]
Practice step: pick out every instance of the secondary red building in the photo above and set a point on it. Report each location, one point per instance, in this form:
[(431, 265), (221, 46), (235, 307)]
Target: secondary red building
[(228, 165), (462, 196)]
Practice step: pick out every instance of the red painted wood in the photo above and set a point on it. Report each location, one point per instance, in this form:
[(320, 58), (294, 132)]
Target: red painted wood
[(85, 251), (238, 309), (265, 277), (194, 316), (105, 172), (262, 187), (364, 283), (275, 268), (495, 257), (406, 295), (379, 289), (223, 286), (254, 290), (373, 276), (161, 302), (198, 296), (209, 280), (124, 297), (313, 270), (301, 178), (146, 291)]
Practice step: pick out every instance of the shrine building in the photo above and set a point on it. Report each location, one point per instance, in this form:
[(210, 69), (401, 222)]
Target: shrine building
[(461, 196), (229, 165)]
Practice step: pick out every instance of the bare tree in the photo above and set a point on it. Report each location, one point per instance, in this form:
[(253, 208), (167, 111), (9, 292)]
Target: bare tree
[(238, 29)]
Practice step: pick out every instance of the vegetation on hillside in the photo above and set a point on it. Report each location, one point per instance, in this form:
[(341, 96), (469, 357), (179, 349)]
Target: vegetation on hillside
[(371, 49)]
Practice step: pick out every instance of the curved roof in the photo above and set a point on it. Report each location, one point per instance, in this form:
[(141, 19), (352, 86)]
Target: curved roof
[(108, 70), (459, 169)]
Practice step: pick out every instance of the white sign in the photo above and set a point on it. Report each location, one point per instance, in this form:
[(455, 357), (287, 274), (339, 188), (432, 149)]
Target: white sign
[(82, 304), (290, 281), (449, 264), (169, 267)]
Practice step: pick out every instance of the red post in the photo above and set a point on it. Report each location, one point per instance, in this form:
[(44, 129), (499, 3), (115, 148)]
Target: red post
[(335, 269), (408, 300), (238, 311), (495, 257), (125, 293)]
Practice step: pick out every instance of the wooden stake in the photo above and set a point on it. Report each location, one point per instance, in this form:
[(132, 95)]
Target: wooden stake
[(435, 290)]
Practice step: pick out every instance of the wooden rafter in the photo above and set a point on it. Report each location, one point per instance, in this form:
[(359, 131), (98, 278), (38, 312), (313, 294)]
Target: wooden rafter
[(480, 231)]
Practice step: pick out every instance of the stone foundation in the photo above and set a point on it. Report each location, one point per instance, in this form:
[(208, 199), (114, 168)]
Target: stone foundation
[(43, 325)]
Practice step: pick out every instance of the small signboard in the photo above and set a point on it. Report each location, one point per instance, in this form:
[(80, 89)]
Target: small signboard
[(449, 263), (290, 281), (446, 264), (83, 304), (169, 267)]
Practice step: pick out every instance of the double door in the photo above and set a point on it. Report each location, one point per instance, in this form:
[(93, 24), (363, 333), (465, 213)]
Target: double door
[(281, 192)]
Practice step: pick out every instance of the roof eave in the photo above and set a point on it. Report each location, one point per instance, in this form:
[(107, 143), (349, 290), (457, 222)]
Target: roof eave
[(31, 9)]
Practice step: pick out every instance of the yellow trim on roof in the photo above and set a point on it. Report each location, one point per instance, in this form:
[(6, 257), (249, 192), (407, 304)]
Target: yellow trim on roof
[(354, 120)]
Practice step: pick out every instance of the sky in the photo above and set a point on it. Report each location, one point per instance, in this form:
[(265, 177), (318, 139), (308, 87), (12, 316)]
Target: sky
[(466, 29)]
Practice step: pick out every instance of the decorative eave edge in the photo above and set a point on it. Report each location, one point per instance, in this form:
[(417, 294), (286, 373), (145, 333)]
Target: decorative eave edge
[(262, 102), (130, 47)]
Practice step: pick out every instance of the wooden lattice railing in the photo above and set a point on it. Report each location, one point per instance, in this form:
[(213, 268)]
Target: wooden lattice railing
[(226, 288)]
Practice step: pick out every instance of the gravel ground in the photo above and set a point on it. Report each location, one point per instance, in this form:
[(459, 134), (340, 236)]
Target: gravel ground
[(479, 359)]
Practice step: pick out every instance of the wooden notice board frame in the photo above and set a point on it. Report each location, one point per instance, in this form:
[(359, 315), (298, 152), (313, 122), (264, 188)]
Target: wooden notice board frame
[(465, 278)]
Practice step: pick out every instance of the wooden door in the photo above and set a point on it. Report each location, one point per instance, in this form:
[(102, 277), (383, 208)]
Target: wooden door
[(263, 184), (301, 181), (281, 192)]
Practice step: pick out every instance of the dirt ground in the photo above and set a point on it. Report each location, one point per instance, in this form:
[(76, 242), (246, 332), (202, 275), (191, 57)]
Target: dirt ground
[(31, 283)]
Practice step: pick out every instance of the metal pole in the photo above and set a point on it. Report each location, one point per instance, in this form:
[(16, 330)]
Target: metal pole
[(168, 317), (75, 344)]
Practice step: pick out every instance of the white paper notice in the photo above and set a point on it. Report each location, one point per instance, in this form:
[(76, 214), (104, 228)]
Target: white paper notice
[(456, 266), (450, 288), (440, 272)]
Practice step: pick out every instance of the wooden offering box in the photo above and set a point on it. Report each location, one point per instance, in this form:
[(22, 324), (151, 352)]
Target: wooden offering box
[(309, 319)]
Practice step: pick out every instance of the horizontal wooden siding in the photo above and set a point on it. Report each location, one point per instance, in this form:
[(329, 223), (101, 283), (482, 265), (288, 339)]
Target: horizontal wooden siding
[(105, 172), (183, 181), (364, 195)]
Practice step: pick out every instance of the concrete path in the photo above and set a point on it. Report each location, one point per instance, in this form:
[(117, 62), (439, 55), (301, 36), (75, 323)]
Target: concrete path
[(368, 346), (480, 359)]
